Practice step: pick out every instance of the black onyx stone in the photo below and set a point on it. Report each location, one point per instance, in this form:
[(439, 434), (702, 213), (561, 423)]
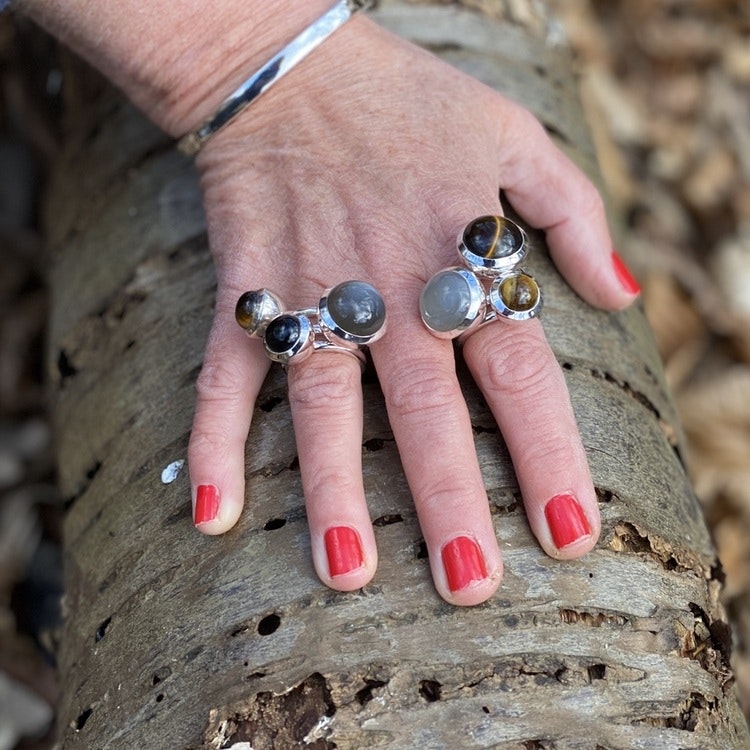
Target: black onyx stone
[(283, 333), (493, 237), (357, 308)]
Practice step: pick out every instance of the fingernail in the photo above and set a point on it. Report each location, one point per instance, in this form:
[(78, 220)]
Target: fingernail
[(463, 563), (629, 284), (566, 520), (344, 550), (206, 503)]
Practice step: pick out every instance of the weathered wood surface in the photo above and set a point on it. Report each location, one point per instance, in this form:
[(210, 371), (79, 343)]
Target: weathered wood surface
[(175, 640)]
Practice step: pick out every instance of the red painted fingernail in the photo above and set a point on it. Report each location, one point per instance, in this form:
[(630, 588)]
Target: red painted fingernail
[(206, 503), (629, 284), (463, 563), (344, 550), (566, 520)]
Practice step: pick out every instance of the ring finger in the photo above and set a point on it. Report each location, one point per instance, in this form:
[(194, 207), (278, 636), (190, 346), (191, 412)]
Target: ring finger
[(325, 395), (525, 389)]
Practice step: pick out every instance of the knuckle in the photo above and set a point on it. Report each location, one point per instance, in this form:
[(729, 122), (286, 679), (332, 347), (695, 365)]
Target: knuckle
[(443, 495), (328, 481), (528, 122), (220, 385), (553, 451), (590, 202), (316, 387), (210, 442), (524, 124), (515, 366), (422, 391)]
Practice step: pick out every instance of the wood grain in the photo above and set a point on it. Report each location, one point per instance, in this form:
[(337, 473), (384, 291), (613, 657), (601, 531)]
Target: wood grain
[(175, 640)]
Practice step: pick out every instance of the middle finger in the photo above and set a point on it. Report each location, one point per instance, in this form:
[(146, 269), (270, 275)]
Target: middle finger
[(431, 424), (325, 395)]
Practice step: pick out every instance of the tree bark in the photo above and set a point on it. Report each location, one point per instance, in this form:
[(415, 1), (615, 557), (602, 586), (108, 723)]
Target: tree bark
[(176, 640)]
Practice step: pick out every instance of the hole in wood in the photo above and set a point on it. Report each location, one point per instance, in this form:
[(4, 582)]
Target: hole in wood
[(160, 675), (364, 695), (388, 519), (102, 629), (193, 654), (296, 718), (274, 523), (269, 624), (94, 470), (373, 444), (83, 717), (270, 403), (64, 366), (430, 690)]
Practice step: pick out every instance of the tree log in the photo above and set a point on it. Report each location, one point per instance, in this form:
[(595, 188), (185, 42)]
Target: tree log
[(177, 640)]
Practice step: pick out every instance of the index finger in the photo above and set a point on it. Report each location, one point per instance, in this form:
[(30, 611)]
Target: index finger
[(551, 193)]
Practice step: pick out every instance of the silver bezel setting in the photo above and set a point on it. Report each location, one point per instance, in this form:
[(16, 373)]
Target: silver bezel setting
[(494, 266), (317, 329), (499, 306), (302, 347), (330, 327), (477, 306), (269, 307), (485, 277)]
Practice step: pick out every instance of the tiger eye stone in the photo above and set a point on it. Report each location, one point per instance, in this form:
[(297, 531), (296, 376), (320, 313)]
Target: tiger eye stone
[(255, 309), (445, 301), (357, 308), (283, 333), (249, 310), (519, 292), (493, 237)]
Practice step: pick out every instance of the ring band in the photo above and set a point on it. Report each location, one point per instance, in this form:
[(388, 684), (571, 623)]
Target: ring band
[(490, 284), (349, 316)]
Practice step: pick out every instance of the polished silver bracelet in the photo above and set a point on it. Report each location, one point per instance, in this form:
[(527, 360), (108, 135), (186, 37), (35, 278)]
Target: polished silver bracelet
[(262, 80)]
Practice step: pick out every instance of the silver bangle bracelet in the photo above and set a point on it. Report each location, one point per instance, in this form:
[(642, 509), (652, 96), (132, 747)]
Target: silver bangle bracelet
[(262, 80)]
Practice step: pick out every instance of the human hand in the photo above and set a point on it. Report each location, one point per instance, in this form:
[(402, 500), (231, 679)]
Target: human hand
[(368, 170)]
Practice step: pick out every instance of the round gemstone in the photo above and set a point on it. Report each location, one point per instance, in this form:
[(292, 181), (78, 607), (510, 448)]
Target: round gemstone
[(493, 237), (249, 310), (445, 301), (519, 292), (356, 308), (283, 333), (254, 310)]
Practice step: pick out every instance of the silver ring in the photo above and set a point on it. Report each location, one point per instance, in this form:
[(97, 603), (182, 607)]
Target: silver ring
[(349, 316), (458, 300), (491, 245)]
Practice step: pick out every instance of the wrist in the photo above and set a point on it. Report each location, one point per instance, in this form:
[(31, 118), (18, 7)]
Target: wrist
[(197, 75), (272, 71), (176, 61)]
